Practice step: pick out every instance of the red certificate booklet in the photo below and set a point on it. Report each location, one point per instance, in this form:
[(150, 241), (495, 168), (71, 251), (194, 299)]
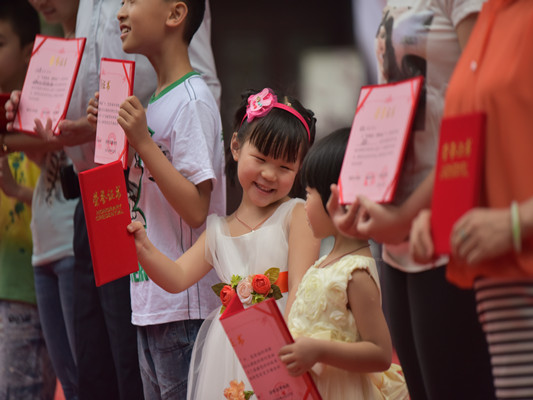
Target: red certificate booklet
[(458, 174), (3, 121), (377, 142), (49, 82), (116, 83), (107, 214), (257, 334)]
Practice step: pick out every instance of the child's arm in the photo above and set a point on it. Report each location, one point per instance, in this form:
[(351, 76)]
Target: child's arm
[(10, 187), (372, 354), (190, 201), (172, 276), (303, 251)]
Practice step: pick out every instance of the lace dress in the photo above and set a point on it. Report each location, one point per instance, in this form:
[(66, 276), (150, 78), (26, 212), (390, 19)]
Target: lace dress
[(214, 363), (320, 311)]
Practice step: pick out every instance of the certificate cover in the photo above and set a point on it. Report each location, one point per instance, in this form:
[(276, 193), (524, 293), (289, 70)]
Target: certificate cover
[(3, 121), (49, 82), (458, 174), (116, 84), (107, 214), (377, 142), (257, 334)]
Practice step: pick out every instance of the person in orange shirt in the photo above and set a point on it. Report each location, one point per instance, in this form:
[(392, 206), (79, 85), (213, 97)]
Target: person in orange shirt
[(492, 245)]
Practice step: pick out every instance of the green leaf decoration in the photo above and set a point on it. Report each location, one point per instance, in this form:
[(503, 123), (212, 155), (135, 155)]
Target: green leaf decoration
[(273, 274), (222, 309), (235, 279), (248, 394), (257, 298), (276, 292), (218, 288)]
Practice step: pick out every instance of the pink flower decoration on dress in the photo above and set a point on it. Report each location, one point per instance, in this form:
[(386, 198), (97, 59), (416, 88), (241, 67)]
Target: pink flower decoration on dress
[(260, 104)]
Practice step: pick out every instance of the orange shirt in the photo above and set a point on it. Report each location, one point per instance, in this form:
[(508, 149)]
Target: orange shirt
[(495, 75)]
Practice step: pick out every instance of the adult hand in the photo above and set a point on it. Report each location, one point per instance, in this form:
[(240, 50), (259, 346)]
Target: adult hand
[(344, 218), (482, 234)]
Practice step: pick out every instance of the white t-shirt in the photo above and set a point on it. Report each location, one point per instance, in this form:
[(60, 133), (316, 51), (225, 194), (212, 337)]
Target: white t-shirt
[(52, 222), (185, 123), (97, 21), (424, 41)]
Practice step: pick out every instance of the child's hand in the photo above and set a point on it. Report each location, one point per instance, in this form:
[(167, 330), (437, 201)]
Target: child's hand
[(299, 356), (92, 110), (139, 233), (11, 107), (420, 241), (132, 118)]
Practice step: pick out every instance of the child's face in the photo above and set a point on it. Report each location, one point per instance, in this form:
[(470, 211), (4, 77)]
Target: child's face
[(13, 58), (264, 180), (56, 11), (142, 25), (318, 218)]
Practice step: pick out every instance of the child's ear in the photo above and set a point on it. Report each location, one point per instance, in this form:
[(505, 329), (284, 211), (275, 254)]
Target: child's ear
[(178, 13), (235, 146)]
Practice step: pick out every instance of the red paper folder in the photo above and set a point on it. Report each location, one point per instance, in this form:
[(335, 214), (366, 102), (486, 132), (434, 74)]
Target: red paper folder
[(257, 334), (107, 214), (116, 84), (3, 121), (458, 174), (49, 82), (378, 139)]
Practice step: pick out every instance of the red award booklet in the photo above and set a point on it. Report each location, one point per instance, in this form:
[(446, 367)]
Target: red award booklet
[(458, 174), (49, 82), (116, 83), (3, 121), (378, 139), (107, 214), (257, 334)]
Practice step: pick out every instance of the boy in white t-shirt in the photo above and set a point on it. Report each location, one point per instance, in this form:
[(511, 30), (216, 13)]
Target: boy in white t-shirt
[(176, 180)]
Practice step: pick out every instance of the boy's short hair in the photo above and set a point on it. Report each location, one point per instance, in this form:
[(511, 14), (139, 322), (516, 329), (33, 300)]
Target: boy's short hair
[(23, 18), (195, 16)]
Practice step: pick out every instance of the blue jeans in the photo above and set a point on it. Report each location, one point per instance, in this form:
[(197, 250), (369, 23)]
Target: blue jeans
[(164, 358), (25, 368), (54, 284)]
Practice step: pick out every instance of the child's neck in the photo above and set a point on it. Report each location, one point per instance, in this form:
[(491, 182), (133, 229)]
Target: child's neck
[(345, 246), (171, 63)]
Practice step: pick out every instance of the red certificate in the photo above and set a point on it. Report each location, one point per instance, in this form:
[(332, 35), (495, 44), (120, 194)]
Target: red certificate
[(3, 121), (116, 83), (49, 82), (458, 174), (257, 334), (107, 214), (377, 142)]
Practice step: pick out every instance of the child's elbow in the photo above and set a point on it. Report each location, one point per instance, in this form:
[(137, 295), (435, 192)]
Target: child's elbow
[(196, 220)]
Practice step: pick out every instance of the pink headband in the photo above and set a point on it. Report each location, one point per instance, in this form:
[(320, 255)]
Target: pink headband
[(261, 103)]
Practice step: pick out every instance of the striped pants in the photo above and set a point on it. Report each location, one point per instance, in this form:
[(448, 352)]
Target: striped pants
[(505, 309)]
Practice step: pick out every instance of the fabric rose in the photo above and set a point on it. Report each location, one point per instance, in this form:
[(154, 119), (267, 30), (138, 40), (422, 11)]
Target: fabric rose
[(260, 104), (244, 290), (235, 391), (261, 284), (226, 294)]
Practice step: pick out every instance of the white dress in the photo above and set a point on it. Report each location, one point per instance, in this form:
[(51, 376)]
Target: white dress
[(214, 363), (320, 311)]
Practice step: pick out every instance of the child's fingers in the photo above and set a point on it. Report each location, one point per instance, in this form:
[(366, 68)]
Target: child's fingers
[(134, 227)]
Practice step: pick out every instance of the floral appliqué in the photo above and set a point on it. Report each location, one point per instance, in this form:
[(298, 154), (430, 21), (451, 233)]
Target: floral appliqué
[(236, 391), (260, 104)]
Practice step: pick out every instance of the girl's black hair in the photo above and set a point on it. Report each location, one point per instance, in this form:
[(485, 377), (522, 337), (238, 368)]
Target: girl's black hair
[(23, 18), (279, 134), (322, 165)]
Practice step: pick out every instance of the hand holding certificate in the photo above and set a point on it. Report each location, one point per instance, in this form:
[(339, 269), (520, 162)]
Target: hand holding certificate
[(257, 334), (378, 138), (116, 84), (49, 82)]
